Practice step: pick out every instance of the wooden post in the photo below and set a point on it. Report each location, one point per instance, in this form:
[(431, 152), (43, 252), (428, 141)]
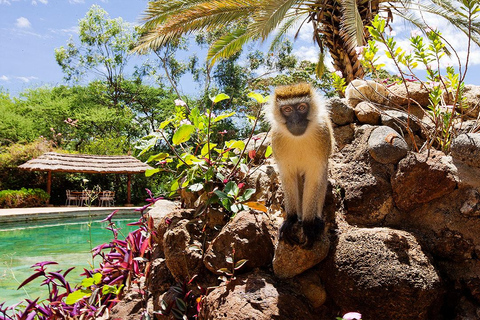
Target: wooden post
[(49, 185), (129, 192)]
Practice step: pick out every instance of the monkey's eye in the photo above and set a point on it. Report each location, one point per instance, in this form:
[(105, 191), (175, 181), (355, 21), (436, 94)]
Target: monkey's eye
[(302, 107), (287, 109)]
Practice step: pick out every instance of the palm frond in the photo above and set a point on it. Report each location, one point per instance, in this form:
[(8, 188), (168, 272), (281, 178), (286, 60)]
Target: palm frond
[(229, 44), (352, 24), (271, 14), (283, 30), (448, 11), (207, 15)]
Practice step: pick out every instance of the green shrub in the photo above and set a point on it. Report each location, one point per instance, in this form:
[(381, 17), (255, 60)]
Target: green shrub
[(23, 198)]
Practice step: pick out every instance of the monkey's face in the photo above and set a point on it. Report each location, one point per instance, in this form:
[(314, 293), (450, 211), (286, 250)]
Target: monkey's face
[(296, 117)]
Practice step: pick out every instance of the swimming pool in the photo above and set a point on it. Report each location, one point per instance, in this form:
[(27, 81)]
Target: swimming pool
[(66, 242)]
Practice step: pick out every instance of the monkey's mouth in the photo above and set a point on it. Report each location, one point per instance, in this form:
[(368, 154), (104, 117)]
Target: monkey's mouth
[(297, 128)]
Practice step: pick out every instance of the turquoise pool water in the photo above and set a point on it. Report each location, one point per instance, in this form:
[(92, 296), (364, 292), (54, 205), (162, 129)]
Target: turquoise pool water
[(67, 243)]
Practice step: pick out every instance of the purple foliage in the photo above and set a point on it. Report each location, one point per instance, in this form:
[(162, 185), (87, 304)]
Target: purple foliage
[(123, 262)]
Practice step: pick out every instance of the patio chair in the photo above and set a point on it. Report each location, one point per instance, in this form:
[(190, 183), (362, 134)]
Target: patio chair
[(107, 198), (85, 198), (71, 197)]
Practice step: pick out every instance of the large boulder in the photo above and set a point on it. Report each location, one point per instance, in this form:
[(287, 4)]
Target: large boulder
[(386, 145), (421, 178), (367, 113), (382, 273), (340, 112), (182, 249), (398, 120), (360, 178), (343, 135), (365, 90), (291, 260), (255, 296), (417, 92), (471, 94), (249, 236), (466, 148)]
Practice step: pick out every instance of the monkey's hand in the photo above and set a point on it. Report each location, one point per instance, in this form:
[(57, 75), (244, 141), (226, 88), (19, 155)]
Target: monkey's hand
[(286, 230), (312, 230)]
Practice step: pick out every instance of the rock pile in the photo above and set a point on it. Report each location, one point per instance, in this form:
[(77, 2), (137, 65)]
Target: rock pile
[(403, 240)]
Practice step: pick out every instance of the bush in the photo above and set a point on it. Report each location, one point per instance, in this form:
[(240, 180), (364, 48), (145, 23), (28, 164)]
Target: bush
[(23, 198)]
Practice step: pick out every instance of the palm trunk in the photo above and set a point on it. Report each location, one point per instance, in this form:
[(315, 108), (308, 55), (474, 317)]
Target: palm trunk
[(328, 28)]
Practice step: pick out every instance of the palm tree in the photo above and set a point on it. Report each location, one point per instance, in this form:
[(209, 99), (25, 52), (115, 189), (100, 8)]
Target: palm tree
[(339, 26)]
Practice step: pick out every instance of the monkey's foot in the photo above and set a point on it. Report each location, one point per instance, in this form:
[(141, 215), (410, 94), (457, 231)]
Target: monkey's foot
[(286, 230), (312, 230)]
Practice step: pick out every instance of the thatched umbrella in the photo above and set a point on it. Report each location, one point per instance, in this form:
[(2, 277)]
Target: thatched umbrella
[(64, 162)]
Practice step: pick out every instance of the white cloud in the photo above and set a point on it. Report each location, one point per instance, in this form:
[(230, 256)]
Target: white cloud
[(34, 2), (4, 78), (71, 30), (309, 53), (76, 1), (23, 22), (27, 79)]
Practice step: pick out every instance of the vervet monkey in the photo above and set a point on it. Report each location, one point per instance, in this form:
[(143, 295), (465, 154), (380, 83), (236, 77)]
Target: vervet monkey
[(302, 141)]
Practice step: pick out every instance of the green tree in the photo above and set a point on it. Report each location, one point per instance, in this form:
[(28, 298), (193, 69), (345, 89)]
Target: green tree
[(13, 126), (338, 26), (103, 50)]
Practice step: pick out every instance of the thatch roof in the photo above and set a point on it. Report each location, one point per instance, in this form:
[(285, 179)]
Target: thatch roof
[(60, 162)]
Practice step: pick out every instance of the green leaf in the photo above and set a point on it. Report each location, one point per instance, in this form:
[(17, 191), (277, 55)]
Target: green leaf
[(248, 194), (240, 264), (229, 259), (78, 295), (268, 152), (221, 194), (165, 123), (158, 157), (235, 144), (219, 97), (151, 172), (97, 277), (225, 270), (223, 116), (204, 151), (258, 97), (183, 134), (87, 282), (231, 188), (237, 207), (174, 186), (181, 305), (109, 289), (177, 314)]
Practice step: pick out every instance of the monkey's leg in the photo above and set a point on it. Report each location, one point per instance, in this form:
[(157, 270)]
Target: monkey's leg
[(292, 195), (313, 199)]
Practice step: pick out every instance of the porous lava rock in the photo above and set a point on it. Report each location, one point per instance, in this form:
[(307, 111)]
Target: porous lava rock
[(340, 112), (255, 296), (420, 178), (291, 260), (249, 236), (180, 247), (466, 148), (382, 273)]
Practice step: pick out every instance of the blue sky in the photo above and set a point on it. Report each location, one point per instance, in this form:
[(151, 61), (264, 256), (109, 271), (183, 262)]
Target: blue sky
[(30, 30)]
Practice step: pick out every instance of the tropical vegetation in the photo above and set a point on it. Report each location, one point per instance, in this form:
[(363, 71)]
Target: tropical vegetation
[(337, 26)]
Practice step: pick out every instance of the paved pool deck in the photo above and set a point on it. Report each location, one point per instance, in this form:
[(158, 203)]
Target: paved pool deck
[(26, 215)]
